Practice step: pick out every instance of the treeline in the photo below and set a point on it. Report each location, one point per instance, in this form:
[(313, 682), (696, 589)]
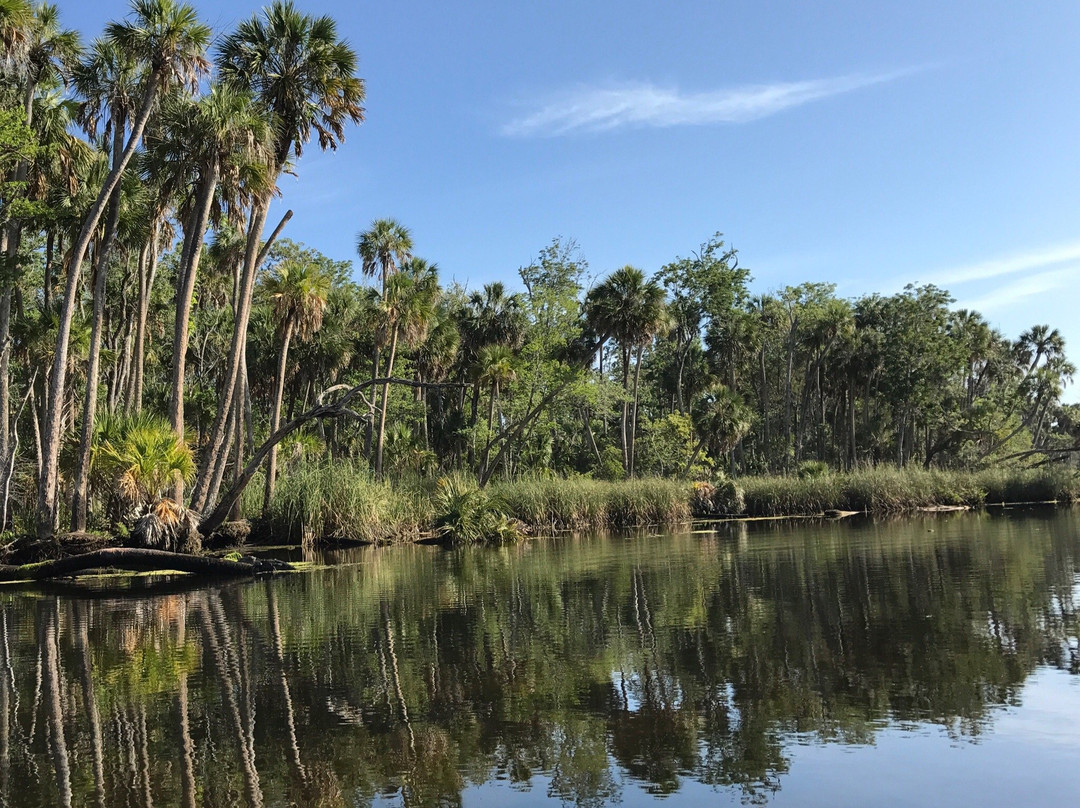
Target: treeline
[(157, 329)]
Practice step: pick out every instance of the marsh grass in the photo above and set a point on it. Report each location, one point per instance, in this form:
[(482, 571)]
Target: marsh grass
[(892, 490), (341, 501), (583, 504)]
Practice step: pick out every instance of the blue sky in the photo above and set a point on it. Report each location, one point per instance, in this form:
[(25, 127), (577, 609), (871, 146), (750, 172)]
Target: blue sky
[(866, 144)]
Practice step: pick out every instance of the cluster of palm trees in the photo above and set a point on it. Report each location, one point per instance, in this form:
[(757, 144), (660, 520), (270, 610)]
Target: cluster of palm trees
[(161, 159), (139, 281)]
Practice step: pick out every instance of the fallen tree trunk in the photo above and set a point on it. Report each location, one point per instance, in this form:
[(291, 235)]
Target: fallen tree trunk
[(137, 560)]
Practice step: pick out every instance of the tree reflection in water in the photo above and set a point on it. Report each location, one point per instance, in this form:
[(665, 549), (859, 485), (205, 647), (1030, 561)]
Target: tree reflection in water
[(574, 665)]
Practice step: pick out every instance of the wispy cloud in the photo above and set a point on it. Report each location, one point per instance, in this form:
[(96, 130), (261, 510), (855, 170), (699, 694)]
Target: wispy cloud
[(596, 109), (1010, 264), (1014, 291)]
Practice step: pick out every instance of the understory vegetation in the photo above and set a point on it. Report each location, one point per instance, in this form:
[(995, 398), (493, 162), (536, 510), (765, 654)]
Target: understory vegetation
[(165, 351), (323, 502)]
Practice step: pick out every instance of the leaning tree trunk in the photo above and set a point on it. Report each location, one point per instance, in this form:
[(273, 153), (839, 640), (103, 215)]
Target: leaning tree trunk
[(49, 480), (53, 697), (213, 464), (633, 421), (217, 446), (93, 366), (275, 419), (185, 290), (385, 406), (146, 289)]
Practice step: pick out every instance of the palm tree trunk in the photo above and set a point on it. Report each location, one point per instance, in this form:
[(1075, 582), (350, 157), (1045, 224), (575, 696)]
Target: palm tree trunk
[(146, 289), (490, 420), (385, 406), (242, 428), (187, 757), (6, 430), (93, 365), (90, 702), (185, 289), (49, 481), (633, 422), (275, 419), (201, 495), (624, 420)]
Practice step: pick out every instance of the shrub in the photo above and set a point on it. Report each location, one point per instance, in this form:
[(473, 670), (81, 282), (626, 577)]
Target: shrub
[(465, 513)]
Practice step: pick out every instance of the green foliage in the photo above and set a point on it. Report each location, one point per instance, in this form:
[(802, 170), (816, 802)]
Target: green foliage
[(139, 458), (886, 490), (810, 469), (665, 445), (465, 513), (341, 501), (582, 504)]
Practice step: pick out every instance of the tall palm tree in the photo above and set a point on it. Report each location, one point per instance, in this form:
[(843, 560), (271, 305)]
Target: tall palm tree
[(434, 357), (42, 60), (15, 17), (1037, 343), (382, 249), (495, 368), (721, 419), (223, 133), (298, 292), (408, 310), (490, 317), (169, 40), (297, 68), (631, 310)]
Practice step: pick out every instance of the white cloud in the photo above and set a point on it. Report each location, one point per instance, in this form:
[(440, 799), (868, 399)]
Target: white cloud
[(1012, 292), (1009, 265), (595, 109)]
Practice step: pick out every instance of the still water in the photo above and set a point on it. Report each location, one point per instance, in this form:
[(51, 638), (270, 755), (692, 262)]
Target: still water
[(923, 662)]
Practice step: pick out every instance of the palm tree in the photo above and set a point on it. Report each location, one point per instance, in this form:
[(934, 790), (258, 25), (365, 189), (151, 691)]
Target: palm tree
[(721, 419), (1037, 343), (15, 17), (408, 310), (382, 248), (168, 38), (631, 310), (490, 317), (295, 66), (298, 292), (434, 357), (494, 368), (223, 133)]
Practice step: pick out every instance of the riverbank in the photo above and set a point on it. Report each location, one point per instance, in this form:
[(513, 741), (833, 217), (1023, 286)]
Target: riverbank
[(335, 503)]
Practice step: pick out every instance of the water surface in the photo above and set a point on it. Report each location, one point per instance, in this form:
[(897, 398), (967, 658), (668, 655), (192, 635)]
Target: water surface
[(921, 662)]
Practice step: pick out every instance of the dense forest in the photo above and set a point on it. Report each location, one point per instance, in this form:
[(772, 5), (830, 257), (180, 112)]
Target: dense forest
[(164, 341)]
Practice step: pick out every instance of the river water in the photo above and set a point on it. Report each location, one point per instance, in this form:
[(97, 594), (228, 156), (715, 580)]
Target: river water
[(925, 662)]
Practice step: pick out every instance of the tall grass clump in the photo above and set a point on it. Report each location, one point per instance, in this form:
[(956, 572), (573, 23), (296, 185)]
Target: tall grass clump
[(580, 503), (890, 490), (341, 501), (465, 513), (1048, 484)]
